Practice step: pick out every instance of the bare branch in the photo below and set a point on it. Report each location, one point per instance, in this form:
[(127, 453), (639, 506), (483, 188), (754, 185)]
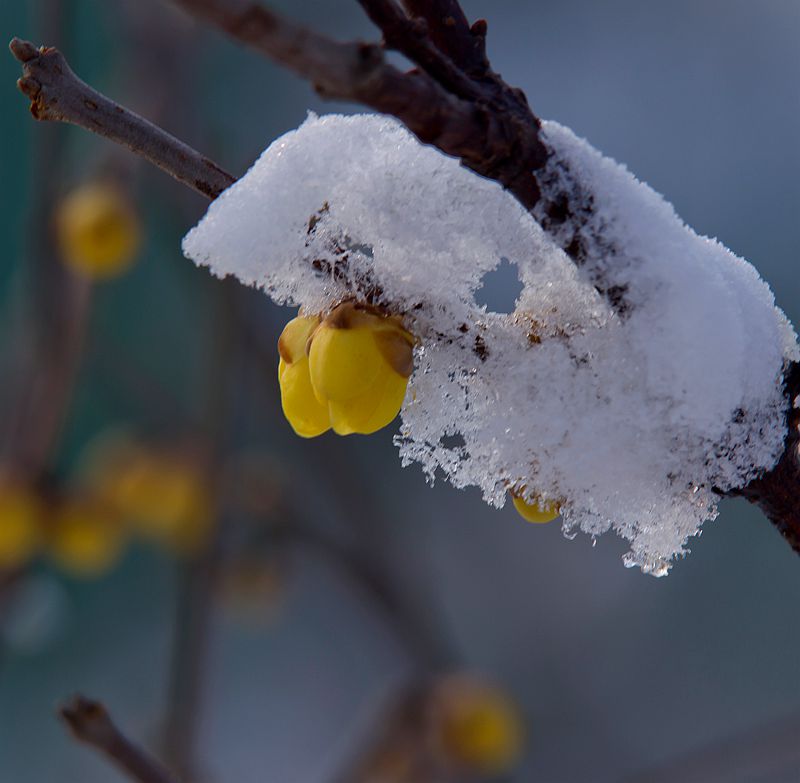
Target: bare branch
[(497, 138), (57, 94), (89, 722), (411, 38), (451, 32)]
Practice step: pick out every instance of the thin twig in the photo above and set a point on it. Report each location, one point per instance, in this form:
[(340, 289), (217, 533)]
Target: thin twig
[(410, 36), (57, 94), (89, 722)]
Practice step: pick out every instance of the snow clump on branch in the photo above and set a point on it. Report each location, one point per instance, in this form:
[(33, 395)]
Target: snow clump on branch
[(629, 412)]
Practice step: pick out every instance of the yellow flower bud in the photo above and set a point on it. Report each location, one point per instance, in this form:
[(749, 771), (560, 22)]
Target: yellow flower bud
[(86, 539), (359, 364), (20, 526), (478, 727), (303, 411), (98, 230), (349, 372), (536, 511)]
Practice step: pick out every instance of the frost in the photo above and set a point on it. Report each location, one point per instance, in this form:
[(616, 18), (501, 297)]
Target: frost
[(631, 406)]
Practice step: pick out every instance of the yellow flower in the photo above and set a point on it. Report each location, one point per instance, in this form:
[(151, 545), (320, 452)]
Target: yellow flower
[(98, 230), (536, 511), (160, 493), (20, 525), (478, 727), (86, 539), (349, 372), (168, 502)]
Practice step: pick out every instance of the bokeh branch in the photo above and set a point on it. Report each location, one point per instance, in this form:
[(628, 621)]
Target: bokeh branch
[(90, 723), (57, 94)]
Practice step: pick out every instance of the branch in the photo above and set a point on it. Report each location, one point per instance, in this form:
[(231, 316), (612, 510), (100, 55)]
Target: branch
[(410, 36), (451, 32), (495, 135), (57, 94), (90, 723)]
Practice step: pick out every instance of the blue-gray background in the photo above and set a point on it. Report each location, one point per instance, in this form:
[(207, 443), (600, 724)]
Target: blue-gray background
[(617, 673)]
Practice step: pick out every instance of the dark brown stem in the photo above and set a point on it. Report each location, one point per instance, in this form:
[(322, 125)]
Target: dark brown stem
[(89, 722), (777, 492), (57, 94), (410, 36), (451, 32)]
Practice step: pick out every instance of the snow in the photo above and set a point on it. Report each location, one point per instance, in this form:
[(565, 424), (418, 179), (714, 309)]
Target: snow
[(632, 411)]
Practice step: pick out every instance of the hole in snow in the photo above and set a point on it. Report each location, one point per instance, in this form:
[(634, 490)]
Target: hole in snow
[(500, 288), (452, 442)]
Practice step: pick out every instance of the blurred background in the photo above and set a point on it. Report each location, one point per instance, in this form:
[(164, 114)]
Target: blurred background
[(257, 607)]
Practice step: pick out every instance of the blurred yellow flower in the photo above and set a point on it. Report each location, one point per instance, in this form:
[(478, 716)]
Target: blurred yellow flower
[(478, 727), (349, 371), (20, 525), (162, 494), (98, 230), (85, 538)]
